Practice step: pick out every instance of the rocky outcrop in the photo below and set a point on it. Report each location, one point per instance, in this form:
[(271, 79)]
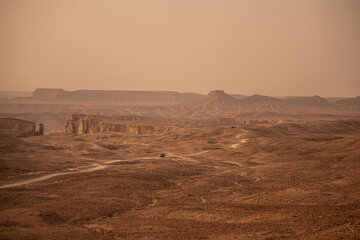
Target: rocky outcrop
[(41, 130), (84, 124), (53, 117), (19, 127)]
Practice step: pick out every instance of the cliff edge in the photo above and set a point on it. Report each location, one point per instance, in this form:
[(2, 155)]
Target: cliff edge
[(19, 127), (85, 124)]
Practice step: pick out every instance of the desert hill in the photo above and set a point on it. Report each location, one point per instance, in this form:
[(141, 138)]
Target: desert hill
[(14, 94), (261, 103), (238, 96), (115, 96), (309, 102), (290, 103), (335, 129), (11, 144), (350, 103), (215, 100), (54, 106), (219, 100), (256, 99)]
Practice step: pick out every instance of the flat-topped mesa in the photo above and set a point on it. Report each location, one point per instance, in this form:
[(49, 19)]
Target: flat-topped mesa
[(115, 96), (85, 124), (20, 127)]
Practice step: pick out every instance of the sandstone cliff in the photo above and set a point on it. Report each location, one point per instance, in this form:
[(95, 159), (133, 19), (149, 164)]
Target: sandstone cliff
[(84, 124), (19, 127)]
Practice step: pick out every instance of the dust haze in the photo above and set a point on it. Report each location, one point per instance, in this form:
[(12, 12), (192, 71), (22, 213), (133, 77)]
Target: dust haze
[(179, 119), (275, 48)]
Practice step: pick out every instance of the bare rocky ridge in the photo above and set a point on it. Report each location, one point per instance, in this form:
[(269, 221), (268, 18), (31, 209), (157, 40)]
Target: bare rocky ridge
[(84, 124), (115, 96), (218, 102), (216, 99), (54, 106), (309, 102), (14, 94), (350, 103)]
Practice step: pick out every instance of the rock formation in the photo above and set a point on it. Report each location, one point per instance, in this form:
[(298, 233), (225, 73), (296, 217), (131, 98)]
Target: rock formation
[(84, 124), (17, 127), (20, 127), (41, 130)]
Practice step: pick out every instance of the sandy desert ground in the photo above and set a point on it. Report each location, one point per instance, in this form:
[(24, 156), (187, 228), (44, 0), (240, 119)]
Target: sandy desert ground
[(282, 181), (235, 167)]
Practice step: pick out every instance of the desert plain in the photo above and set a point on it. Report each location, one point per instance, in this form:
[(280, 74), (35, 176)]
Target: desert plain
[(217, 166)]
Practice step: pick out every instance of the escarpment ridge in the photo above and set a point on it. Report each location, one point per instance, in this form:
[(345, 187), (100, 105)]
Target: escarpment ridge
[(85, 124), (115, 96), (54, 106)]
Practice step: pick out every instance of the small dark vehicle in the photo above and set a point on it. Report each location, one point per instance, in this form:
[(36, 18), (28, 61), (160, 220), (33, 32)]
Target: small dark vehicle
[(162, 155)]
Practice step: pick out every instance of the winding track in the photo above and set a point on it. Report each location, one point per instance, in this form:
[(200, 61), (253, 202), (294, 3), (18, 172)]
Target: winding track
[(97, 167)]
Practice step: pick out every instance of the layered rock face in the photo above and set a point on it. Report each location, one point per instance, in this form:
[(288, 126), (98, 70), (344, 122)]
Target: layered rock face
[(41, 129), (19, 127), (84, 124)]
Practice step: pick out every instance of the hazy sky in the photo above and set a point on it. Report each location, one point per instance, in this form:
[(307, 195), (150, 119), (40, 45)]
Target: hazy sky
[(270, 47)]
